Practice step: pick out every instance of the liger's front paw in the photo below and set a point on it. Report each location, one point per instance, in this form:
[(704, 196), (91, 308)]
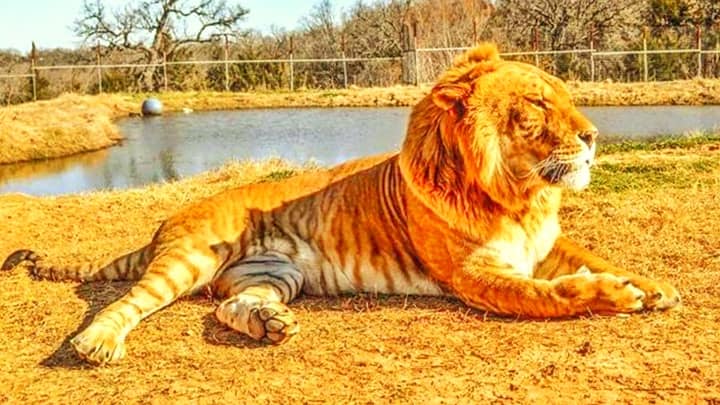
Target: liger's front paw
[(600, 293), (658, 295), (99, 344)]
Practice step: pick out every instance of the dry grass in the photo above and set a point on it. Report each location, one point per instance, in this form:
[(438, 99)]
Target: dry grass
[(354, 97), (380, 349), (72, 124), (678, 92), (64, 126)]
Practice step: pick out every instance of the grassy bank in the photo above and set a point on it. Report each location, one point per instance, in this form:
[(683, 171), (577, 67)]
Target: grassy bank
[(379, 349), (681, 92), (72, 124), (678, 92), (63, 126)]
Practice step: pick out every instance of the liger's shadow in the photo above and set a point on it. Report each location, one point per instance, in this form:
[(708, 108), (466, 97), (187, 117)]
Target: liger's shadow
[(99, 295)]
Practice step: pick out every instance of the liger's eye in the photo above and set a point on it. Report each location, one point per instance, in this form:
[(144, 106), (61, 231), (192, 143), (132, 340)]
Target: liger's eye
[(537, 102)]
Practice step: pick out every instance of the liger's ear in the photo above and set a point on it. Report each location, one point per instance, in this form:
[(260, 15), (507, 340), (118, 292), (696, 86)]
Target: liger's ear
[(450, 95), (482, 52), (454, 85)]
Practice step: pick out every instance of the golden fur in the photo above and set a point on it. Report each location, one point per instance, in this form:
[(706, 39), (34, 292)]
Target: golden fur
[(468, 207)]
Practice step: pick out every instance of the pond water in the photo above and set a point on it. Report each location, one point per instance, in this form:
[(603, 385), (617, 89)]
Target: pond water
[(167, 148)]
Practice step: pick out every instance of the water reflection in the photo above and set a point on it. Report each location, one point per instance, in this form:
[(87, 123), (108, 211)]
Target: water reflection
[(167, 164), (35, 177), (167, 148)]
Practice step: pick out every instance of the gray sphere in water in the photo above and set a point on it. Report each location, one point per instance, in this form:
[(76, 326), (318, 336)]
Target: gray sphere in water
[(151, 106)]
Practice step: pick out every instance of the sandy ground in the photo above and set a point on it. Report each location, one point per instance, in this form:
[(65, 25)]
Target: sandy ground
[(376, 349)]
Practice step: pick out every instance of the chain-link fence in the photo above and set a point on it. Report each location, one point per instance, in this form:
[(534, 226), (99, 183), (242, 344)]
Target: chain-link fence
[(227, 68), (289, 73)]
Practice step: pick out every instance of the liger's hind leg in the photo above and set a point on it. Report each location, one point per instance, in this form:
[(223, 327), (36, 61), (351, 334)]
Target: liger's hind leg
[(256, 291), (170, 275)]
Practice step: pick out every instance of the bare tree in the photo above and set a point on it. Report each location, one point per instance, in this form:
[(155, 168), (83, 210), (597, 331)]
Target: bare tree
[(157, 27), (451, 23), (376, 29), (675, 24), (710, 11), (321, 31), (567, 23), (674, 13)]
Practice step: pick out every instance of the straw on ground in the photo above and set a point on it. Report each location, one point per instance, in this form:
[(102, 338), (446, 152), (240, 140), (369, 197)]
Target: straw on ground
[(381, 349)]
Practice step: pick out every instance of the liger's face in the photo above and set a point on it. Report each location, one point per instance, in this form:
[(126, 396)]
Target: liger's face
[(542, 136)]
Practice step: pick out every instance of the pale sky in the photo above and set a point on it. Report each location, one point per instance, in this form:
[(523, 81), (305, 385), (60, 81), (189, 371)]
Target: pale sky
[(48, 22)]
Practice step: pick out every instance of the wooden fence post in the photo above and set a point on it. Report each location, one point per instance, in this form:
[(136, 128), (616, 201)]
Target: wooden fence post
[(165, 79), (409, 56), (99, 69), (592, 54), (345, 74), (292, 72), (536, 46), (475, 33), (227, 67), (344, 61), (33, 71), (698, 35), (645, 55), (416, 60), (716, 56)]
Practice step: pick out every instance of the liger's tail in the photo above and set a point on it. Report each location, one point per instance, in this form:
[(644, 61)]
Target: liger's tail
[(127, 267)]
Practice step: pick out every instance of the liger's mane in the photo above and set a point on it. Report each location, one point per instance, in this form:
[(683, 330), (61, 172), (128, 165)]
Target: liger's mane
[(451, 157)]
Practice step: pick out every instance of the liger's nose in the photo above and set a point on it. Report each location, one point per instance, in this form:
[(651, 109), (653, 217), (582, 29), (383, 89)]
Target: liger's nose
[(588, 136)]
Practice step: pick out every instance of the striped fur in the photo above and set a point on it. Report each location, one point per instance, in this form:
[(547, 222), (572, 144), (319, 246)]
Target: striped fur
[(128, 267), (467, 208)]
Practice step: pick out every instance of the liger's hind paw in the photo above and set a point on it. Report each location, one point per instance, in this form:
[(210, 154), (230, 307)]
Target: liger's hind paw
[(259, 319), (275, 322)]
